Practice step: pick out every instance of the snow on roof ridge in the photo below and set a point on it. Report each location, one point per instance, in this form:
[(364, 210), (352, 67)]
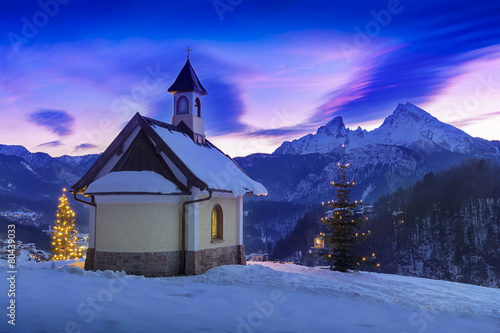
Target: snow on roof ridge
[(210, 164), (132, 182)]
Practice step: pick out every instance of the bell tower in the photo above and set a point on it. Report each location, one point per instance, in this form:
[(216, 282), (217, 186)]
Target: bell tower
[(187, 101)]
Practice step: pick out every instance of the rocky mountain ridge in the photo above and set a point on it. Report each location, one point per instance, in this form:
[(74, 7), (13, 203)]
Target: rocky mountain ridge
[(409, 143), (408, 126)]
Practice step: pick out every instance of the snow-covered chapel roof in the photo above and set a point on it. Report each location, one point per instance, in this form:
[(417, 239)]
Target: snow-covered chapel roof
[(132, 182), (168, 152)]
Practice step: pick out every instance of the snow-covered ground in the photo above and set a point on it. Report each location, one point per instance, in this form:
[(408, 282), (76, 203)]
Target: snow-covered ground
[(263, 297)]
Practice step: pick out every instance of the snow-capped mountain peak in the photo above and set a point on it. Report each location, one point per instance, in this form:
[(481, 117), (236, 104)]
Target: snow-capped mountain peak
[(411, 127), (408, 126), (335, 128), (328, 138), (409, 112)]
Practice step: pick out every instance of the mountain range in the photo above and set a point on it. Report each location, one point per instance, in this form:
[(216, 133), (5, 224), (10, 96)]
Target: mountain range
[(33, 181), (38, 175), (408, 126), (409, 143)]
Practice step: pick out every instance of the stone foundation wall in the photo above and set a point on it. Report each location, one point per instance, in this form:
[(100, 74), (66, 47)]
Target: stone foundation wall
[(150, 264), (198, 262)]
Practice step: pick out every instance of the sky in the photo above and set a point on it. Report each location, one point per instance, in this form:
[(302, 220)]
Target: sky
[(72, 73)]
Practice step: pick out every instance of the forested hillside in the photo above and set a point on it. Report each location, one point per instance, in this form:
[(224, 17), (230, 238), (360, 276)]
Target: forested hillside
[(446, 226)]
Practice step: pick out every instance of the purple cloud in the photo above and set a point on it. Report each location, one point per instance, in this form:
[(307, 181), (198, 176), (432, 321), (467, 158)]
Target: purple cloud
[(84, 146), (50, 144), (474, 119), (282, 131), (59, 122)]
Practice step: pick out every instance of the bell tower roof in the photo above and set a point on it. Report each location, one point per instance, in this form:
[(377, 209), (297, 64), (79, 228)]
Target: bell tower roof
[(187, 80), (187, 98)]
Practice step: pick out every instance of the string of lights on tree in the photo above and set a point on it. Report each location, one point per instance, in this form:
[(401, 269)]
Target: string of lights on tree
[(65, 232), (343, 234)]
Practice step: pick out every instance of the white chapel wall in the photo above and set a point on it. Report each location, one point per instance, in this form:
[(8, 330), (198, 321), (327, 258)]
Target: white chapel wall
[(230, 219), (138, 227)]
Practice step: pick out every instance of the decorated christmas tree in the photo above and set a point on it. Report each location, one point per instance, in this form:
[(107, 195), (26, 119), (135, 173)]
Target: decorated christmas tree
[(65, 232), (343, 228)]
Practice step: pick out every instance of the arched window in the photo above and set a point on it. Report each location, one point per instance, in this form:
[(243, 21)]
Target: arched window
[(217, 224), (182, 105), (198, 107)]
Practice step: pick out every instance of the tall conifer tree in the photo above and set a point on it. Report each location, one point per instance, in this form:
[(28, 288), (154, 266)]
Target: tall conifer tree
[(343, 229), (65, 232)]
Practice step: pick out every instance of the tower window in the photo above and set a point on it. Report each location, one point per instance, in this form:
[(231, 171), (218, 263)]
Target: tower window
[(217, 223), (182, 105), (198, 107)]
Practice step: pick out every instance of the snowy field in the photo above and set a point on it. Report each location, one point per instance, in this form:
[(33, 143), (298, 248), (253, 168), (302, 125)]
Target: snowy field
[(264, 297)]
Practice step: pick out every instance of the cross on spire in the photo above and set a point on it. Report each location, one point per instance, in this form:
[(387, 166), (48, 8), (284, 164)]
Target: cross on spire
[(188, 50)]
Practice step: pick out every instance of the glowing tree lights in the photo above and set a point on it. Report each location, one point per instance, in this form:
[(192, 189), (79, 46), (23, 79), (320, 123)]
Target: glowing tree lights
[(344, 235), (65, 232)]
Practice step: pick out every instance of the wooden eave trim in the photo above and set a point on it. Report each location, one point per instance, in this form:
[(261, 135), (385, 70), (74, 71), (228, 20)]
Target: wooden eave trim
[(176, 181), (108, 153), (140, 193), (192, 179)]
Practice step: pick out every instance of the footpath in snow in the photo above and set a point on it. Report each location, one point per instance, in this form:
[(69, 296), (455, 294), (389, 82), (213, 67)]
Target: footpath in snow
[(264, 297)]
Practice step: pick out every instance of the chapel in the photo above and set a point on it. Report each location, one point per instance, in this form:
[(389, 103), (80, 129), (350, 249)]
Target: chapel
[(163, 199)]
